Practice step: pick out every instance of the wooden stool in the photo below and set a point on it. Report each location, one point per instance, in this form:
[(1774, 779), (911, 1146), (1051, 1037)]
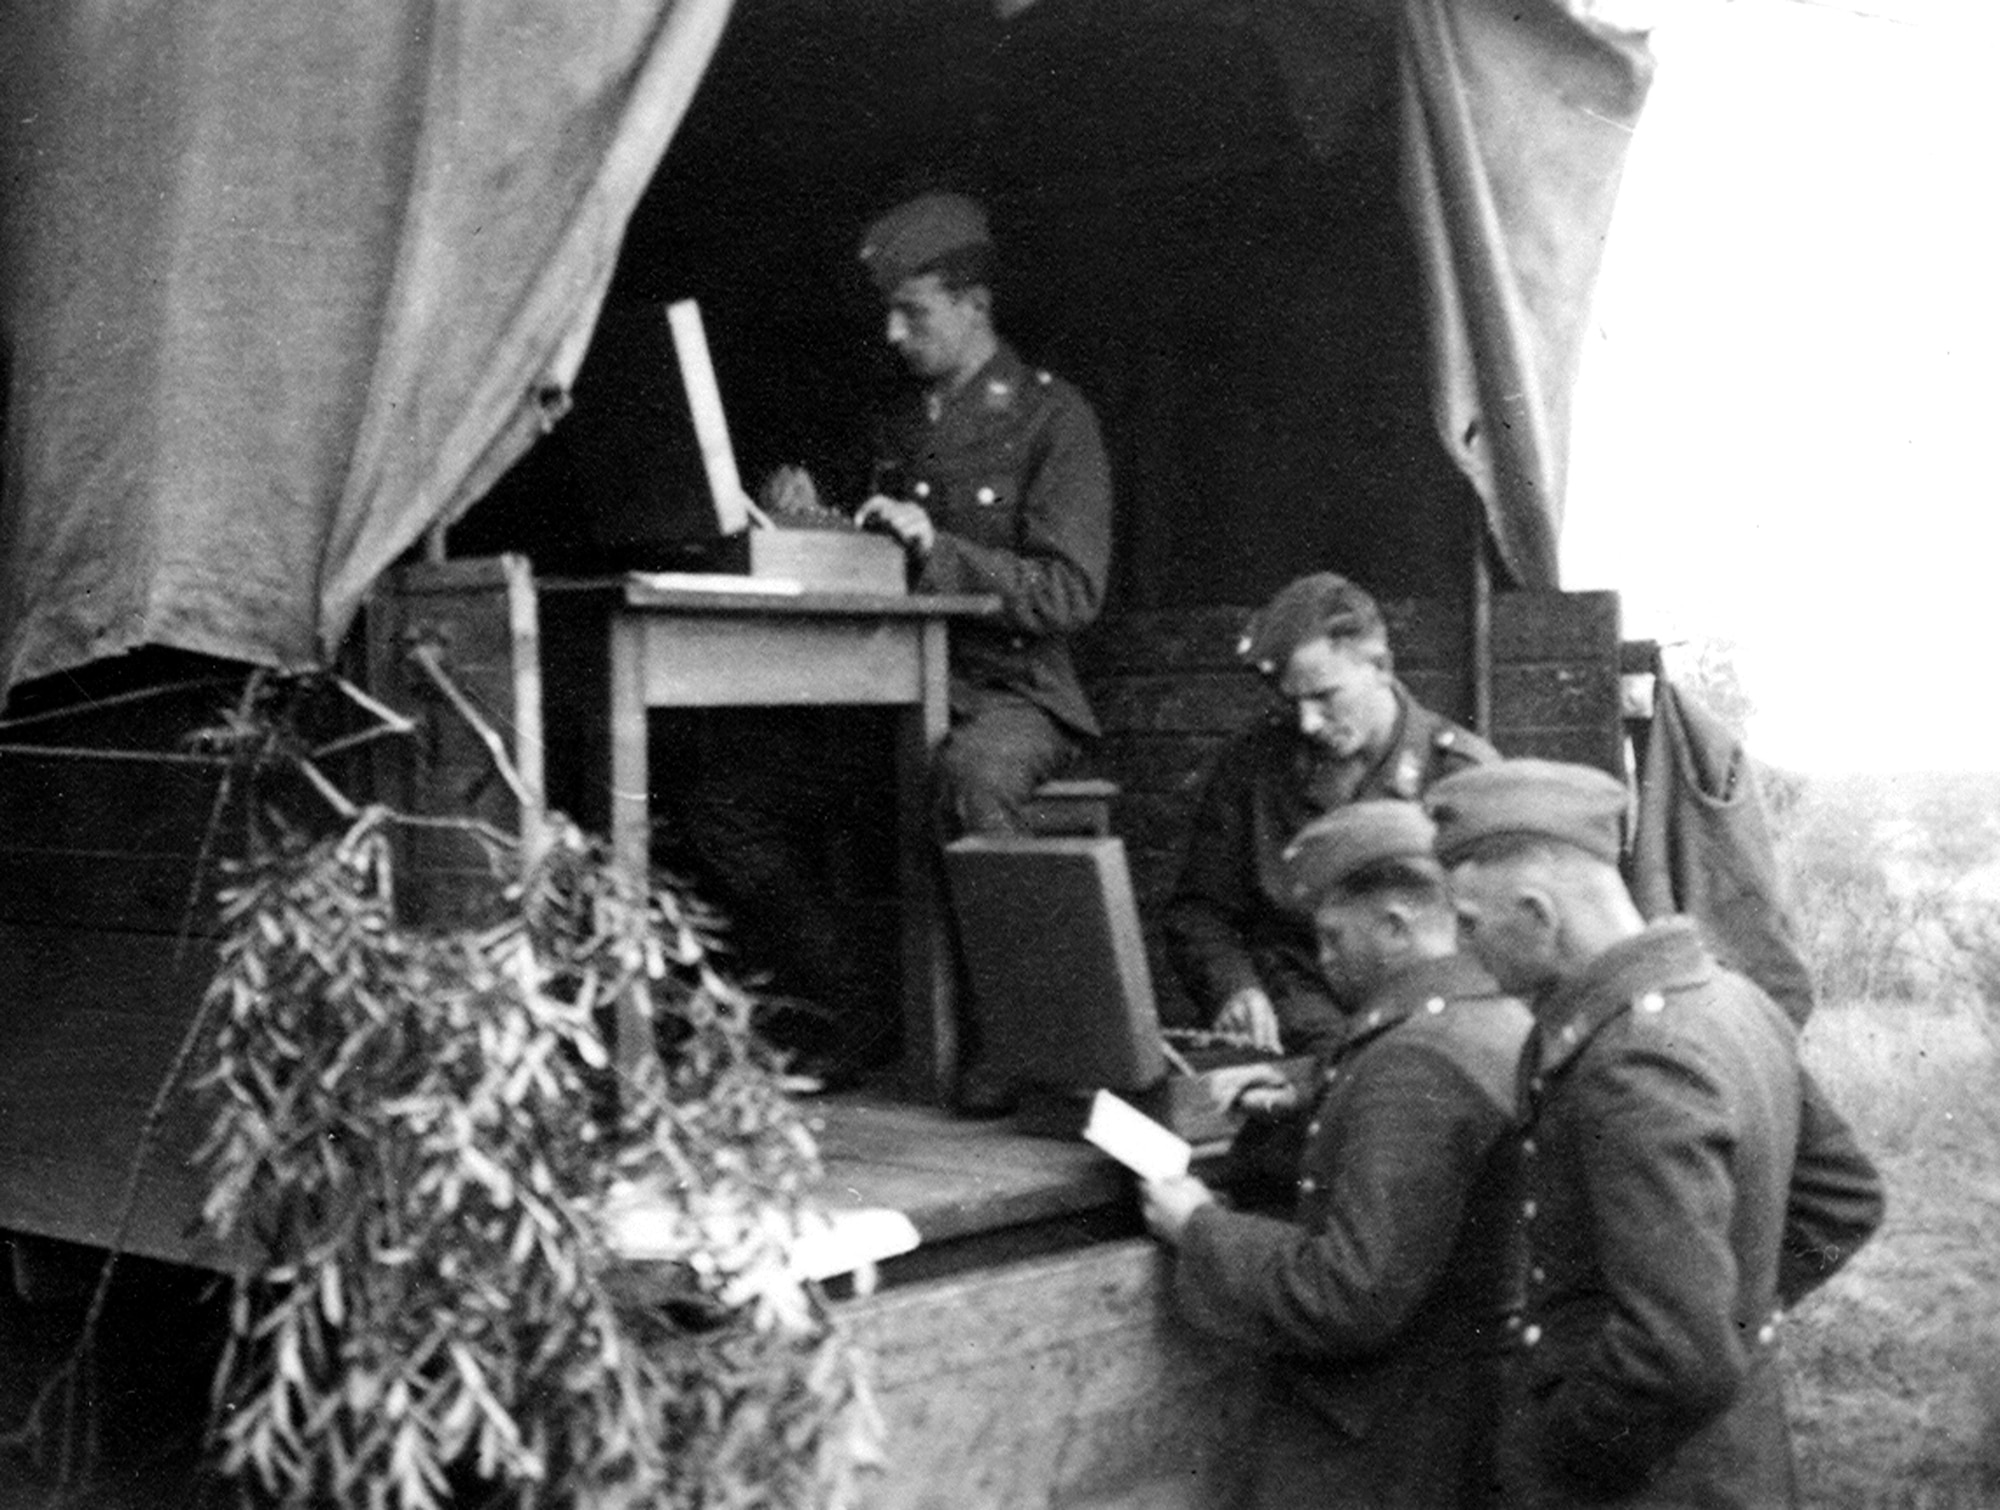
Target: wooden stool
[(1074, 805)]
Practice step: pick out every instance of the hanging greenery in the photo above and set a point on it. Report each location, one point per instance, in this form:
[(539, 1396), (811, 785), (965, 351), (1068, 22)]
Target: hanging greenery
[(418, 1138)]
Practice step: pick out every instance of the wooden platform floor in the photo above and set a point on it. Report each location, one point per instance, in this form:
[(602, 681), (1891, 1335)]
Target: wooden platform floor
[(957, 1177)]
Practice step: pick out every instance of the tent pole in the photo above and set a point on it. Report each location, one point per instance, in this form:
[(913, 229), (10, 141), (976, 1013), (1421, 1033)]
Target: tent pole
[(1480, 637)]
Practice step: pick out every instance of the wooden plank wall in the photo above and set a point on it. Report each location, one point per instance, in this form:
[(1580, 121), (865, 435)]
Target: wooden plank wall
[(1170, 691), (103, 960), (107, 935), (1057, 1383)]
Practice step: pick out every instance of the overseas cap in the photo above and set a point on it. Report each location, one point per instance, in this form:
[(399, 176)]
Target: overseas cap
[(919, 233), (1544, 799), (1321, 606), (1337, 846)]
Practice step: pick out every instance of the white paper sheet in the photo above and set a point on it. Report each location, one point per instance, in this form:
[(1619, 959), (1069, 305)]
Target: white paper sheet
[(1135, 1140)]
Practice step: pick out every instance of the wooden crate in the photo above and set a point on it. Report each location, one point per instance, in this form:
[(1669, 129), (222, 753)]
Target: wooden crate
[(1060, 1383)]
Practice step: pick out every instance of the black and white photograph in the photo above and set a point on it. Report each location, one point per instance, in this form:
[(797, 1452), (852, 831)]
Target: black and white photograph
[(998, 755)]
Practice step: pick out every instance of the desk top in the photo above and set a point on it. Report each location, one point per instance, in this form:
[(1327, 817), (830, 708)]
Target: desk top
[(689, 593)]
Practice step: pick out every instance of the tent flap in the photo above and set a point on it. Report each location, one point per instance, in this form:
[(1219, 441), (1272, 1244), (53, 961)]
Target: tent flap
[(1517, 116), (258, 337)]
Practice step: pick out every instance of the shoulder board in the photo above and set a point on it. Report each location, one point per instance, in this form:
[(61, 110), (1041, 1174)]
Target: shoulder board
[(1562, 1042)]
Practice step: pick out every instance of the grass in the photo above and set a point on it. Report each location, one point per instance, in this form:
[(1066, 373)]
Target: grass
[(1896, 1363)]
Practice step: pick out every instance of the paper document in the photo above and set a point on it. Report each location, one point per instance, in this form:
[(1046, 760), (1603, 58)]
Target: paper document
[(688, 581), (1135, 1140), (843, 1241), (642, 1226)]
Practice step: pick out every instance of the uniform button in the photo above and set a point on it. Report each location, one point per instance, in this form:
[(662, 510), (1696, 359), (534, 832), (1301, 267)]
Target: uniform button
[(986, 495), (1513, 1323), (1538, 1274), (1529, 1147), (1312, 1129), (1532, 1336), (1652, 1001), (1528, 1209), (922, 490), (1435, 1005), (1766, 1333), (1308, 1185)]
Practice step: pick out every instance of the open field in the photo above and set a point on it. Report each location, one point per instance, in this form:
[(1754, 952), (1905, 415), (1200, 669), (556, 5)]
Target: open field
[(1897, 1361)]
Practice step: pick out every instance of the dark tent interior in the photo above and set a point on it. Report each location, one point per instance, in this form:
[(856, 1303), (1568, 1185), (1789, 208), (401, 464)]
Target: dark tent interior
[(1200, 225)]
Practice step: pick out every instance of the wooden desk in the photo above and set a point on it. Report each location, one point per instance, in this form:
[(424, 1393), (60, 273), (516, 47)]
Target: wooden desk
[(700, 648)]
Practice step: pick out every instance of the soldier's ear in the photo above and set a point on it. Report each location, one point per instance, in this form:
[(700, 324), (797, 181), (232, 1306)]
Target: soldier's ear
[(1397, 916), (1537, 909)]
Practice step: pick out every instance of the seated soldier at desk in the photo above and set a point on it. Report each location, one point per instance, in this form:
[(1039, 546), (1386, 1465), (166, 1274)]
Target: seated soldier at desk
[(994, 479), (1346, 730)]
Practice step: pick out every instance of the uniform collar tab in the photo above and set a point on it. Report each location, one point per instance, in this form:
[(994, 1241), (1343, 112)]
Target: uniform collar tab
[(1640, 973), (1412, 992)]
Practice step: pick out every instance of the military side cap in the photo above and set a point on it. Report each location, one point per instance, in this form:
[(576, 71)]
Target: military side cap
[(1337, 846), (919, 233), (1577, 805), (1320, 606)]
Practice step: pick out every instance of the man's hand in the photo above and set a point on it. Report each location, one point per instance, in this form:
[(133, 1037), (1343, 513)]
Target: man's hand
[(906, 521), (790, 490), (1249, 1014), (1167, 1204), (1261, 1089)]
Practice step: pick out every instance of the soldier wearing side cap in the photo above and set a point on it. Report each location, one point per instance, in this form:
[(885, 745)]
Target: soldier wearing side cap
[(994, 478), (1684, 1182), (1346, 730), (1383, 1299)]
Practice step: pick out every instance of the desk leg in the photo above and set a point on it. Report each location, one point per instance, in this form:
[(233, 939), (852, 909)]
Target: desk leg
[(631, 825), (930, 1021)]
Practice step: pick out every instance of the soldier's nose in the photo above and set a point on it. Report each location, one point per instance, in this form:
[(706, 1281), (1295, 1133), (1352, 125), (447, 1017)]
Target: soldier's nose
[(1311, 720)]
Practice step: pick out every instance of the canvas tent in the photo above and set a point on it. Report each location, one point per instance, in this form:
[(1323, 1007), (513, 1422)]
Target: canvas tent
[(281, 288)]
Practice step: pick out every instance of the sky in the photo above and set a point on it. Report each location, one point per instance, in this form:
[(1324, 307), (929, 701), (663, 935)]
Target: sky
[(1785, 414)]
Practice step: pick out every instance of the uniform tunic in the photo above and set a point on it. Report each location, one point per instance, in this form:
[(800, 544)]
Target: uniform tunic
[(1383, 1299), (1231, 923), (1012, 471), (1683, 1181)]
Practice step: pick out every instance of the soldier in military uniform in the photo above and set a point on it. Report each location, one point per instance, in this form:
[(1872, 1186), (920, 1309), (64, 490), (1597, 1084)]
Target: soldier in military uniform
[(1383, 1299), (1684, 1182), (1348, 730), (994, 479)]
